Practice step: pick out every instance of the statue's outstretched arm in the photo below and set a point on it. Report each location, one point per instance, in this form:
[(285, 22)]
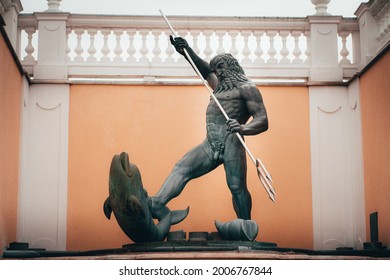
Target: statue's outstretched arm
[(203, 66)]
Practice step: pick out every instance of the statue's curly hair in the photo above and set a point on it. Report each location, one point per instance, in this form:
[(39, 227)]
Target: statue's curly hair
[(233, 76)]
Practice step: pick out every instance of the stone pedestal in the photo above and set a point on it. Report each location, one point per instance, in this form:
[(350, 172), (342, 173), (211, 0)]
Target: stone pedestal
[(324, 49)]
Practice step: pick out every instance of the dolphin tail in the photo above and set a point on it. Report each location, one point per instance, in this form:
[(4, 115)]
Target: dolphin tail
[(159, 211), (107, 208)]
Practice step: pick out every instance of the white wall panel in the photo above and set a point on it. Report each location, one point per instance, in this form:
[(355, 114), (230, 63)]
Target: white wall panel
[(338, 210), (43, 193)]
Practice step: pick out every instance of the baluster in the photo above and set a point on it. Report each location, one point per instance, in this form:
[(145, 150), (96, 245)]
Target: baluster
[(382, 26), (170, 51), (208, 50), (144, 49), (187, 35), (92, 49), (284, 51), (297, 52), (195, 37), (246, 52), (131, 49), (156, 49), (67, 49), (79, 48), (105, 49), (308, 47), (272, 51), (234, 50), (259, 50), (220, 34), (344, 51), (118, 48), (29, 58)]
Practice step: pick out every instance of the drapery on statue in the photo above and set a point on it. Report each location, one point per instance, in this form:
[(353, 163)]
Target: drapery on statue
[(241, 100)]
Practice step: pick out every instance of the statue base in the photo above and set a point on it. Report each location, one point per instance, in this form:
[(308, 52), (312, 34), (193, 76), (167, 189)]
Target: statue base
[(198, 241)]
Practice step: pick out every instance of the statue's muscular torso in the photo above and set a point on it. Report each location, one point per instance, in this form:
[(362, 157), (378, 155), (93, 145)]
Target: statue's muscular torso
[(234, 105)]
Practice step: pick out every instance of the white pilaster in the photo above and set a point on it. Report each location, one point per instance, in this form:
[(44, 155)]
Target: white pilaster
[(337, 168), (355, 150), (44, 167)]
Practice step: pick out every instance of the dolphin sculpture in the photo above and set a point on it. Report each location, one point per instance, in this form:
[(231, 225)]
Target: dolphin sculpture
[(129, 201)]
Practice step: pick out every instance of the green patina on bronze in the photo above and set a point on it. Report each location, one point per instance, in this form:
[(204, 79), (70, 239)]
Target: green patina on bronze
[(129, 201)]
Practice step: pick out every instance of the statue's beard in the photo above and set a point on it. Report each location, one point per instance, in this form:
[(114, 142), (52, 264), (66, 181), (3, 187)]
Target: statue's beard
[(229, 80)]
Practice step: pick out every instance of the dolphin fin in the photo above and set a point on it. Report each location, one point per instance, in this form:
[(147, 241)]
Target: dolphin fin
[(163, 227), (179, 215), (107, 208)]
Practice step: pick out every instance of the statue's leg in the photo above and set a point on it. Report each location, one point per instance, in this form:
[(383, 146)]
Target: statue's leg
[(194, 163), (236, 169)]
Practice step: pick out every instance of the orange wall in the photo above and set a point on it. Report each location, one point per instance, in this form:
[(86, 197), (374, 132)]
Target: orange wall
[(156, 125), (375, 99), (10, 102)]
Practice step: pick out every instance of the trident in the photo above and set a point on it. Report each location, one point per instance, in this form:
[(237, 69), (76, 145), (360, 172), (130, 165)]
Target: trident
[(264, 176)]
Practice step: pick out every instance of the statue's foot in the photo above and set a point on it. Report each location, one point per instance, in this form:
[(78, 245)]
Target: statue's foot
[(159, 211)]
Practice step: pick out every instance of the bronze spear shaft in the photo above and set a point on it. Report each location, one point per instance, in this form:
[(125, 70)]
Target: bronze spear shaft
[(264, 176)]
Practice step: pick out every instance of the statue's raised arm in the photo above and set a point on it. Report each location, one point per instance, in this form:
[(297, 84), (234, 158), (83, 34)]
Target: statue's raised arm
[(203, 66)]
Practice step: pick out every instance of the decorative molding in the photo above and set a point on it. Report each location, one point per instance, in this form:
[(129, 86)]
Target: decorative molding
[(48, 108), (377, 7), (6, 5), (52, 28), (324, 31), (329, 111), (321, 7), (354, 105)]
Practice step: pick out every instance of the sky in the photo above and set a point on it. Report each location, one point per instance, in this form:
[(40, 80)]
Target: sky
[(260, 8)]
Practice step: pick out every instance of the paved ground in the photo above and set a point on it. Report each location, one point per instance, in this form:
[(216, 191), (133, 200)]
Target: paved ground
[(257, 255)]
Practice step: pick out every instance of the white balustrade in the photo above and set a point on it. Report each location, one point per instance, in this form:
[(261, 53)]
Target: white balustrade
[(136, 46)]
